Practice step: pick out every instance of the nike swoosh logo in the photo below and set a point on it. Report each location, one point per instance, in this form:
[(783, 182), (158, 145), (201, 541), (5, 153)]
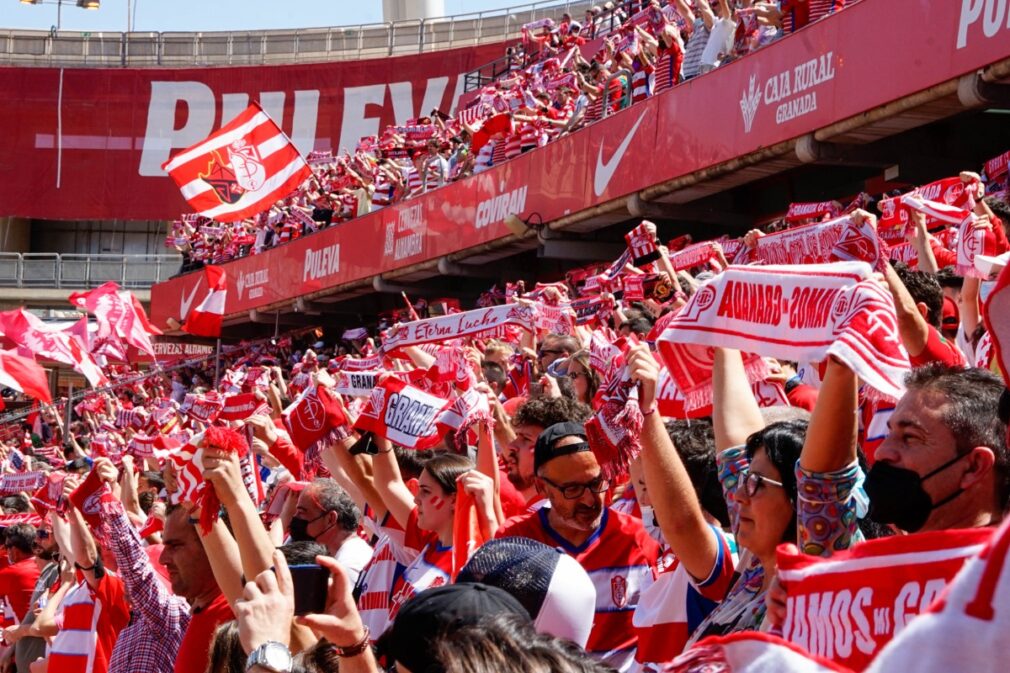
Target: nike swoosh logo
[(605, 171), (184, 302)]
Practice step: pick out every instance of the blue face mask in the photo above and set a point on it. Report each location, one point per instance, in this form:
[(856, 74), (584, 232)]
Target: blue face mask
[(985, 289)]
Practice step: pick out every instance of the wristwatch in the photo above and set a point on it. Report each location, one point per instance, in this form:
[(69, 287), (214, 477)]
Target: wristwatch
[(272, 656)]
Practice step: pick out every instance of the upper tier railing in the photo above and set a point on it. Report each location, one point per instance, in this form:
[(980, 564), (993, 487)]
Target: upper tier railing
[(302, 45), (54, 270)]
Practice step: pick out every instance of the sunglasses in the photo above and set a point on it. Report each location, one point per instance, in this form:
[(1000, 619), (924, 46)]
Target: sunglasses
[(753, 483), (545, 351)]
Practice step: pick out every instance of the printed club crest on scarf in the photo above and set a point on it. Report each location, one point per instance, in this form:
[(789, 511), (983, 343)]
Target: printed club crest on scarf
[(615, 429), (313, 415), (403, 414), (841, 239), (797, 313)]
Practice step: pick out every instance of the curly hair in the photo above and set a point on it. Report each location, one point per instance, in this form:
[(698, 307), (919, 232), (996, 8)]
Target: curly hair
[(544, 412)]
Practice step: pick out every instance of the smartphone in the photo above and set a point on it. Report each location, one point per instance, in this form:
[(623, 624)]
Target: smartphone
[(311, 582), (365, 444), (536, 390)]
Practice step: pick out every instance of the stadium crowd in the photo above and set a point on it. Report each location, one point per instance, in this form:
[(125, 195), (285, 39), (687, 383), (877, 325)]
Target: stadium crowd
[(557, 79), (595, 474)]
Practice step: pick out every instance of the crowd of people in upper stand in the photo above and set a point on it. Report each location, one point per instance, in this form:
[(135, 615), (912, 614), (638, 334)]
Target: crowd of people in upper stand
[(546, 491), (551, 85)]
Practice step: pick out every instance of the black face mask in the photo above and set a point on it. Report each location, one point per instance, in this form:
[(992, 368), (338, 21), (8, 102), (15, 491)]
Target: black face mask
[(897, 496), (299, 528)]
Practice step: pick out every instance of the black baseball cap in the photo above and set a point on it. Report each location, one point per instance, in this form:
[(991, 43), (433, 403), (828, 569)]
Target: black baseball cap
[(438, 611), (545, 449)]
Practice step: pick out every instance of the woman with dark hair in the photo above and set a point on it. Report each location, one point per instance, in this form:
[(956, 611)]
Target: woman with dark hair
[(419, 521), (585, 380), (790, 481)]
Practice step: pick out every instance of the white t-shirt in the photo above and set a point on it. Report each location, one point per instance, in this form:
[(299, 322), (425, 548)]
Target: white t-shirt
[(353, 556)]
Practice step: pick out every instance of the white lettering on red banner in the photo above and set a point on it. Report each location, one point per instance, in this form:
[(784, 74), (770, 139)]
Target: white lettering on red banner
[(321, 263), (496, 209)]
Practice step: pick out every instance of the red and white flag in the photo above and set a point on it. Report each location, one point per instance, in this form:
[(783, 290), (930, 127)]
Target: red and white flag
[(205, 320), (35, 338), (121, 321), (25, 376), (241, 170)]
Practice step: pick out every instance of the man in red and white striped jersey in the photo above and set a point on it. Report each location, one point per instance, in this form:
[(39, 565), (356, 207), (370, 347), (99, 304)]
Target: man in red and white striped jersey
[(614, 548)]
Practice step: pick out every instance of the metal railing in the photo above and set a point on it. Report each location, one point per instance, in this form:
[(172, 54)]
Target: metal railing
[(303, 45), (54, 270)]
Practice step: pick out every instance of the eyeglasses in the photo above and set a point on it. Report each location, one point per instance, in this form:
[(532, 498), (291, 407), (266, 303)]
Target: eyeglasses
[(549, 351), (575, 491), (753, 482)]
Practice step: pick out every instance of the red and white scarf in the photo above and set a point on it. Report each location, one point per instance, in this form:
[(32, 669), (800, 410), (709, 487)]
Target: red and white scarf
[(615, 429), (801, 212), (996, 313), (242, 406), (469, 408), (895, 577), (12, 484), (837, 240), (403, 414), (642, 243), (349, 364), (356, 383), (797, 313), (693, 255), (970, 241), (459, 324)]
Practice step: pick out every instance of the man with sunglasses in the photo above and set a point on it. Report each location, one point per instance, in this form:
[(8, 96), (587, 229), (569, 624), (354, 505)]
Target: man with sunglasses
[(614, 548)]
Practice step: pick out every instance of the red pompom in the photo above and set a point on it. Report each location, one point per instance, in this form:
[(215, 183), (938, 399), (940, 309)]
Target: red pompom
[(225, 439)]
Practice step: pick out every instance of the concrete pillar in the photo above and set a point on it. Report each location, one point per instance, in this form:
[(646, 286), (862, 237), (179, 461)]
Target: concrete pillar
[(15, 234), (403, 10)]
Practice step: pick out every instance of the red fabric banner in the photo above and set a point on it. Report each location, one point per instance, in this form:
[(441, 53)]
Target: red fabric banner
[(848, 606)]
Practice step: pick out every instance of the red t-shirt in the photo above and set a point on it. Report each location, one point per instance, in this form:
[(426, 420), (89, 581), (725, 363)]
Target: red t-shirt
[(17, 582), (194, 650), (512, 501), (938, 349)]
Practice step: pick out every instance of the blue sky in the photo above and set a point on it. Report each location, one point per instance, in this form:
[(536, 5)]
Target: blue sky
[(206, 15)]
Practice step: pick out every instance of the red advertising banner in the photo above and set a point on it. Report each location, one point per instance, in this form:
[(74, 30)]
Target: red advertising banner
[(794, 87), (88, 143)]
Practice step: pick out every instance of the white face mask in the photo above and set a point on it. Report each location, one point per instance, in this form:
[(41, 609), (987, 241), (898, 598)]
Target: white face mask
[(649, 522), (985, 289)]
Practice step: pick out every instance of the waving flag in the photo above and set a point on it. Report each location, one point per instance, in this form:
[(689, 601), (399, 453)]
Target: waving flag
[(35, 338), (24, 375), (205, 320), (121, 320), (241, 170)]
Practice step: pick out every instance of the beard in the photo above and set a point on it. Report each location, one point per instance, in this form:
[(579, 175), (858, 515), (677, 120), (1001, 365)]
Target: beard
[(520, 482)]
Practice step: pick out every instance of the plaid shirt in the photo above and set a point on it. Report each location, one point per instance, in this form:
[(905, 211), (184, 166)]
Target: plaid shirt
[(151, 641)]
